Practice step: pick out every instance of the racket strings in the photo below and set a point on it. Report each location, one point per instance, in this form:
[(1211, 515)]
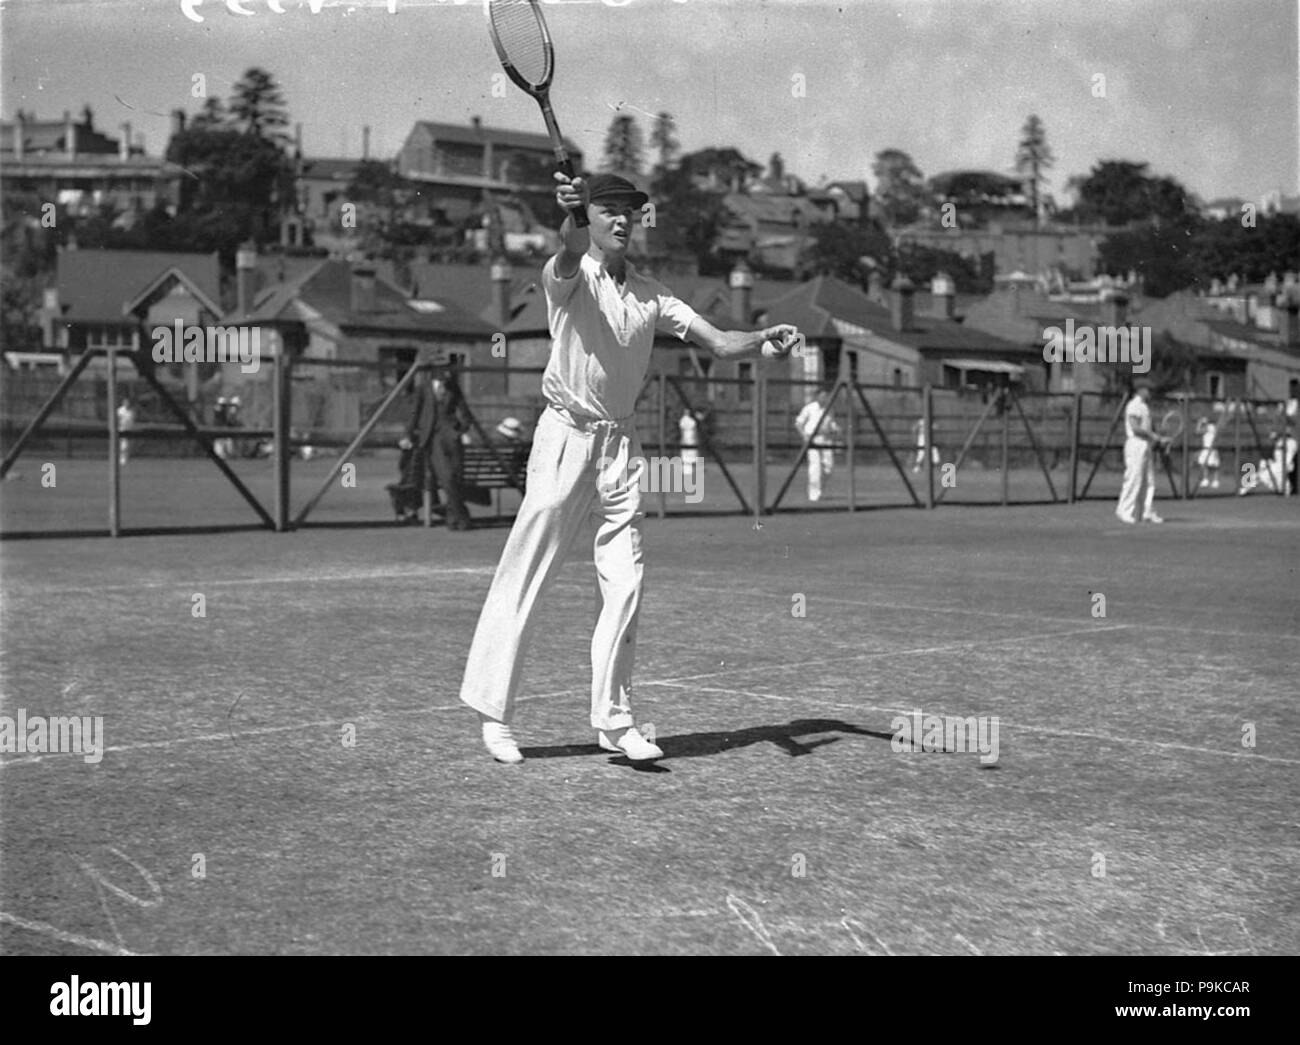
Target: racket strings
[(519, 31)]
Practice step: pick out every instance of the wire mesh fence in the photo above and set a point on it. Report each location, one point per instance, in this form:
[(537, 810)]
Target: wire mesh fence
[(192, 458)]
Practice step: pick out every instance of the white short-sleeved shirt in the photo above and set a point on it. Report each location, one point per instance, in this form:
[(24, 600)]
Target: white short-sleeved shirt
[(601, 337), (1136, 415)]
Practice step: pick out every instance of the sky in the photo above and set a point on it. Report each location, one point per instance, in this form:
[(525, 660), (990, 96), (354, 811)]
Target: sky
[(1205, 92)]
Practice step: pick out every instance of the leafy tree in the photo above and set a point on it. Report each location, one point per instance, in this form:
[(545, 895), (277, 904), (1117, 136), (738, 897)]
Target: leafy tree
[(688, 218), (1221, 248), (1163, 256), (234, 182), (1033, 156), (212, 116), (838, 249), (922, 264), (900, 187), (1120, 192), (623, 147)]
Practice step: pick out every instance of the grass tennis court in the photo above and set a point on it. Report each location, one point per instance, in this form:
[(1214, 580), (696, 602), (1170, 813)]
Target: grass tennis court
[(1121, 740)]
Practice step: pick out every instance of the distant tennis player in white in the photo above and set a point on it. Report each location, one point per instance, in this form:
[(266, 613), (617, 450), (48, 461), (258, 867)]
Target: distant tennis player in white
[(586, 462), (1139, 458)]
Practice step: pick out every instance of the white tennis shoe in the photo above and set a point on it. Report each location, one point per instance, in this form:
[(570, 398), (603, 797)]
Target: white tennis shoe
[(631, 743), (500, 744)]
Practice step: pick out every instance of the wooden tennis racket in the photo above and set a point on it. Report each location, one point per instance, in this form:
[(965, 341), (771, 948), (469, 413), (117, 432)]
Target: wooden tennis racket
[(523, 44)]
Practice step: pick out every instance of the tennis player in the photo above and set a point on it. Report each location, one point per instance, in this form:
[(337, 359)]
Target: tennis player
[(586, 462), (821, 455), (1139, 458)]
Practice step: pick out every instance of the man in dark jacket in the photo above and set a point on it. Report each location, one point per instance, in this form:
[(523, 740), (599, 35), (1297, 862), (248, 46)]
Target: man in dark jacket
[(438, 419)]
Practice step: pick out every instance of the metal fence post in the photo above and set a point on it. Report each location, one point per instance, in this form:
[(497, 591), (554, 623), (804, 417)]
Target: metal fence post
[(927, 406), (281, 406), (1076, 428), (114, 470), (663, 441), (759, 387), (1236, 441), (850, 429), (1006, 446)]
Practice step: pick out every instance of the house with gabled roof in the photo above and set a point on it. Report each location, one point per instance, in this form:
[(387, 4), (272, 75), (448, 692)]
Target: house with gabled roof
[(886, 342), (101, 298), (459, 163), (336, 312)]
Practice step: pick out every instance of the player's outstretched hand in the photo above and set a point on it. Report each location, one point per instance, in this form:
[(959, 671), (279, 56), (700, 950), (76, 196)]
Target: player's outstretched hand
[(779, 340), (570, 193)]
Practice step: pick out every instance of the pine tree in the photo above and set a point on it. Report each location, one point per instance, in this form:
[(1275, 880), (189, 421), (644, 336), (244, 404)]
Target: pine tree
[(623, 147), (663, 139), (259, 105), (1033, 156)]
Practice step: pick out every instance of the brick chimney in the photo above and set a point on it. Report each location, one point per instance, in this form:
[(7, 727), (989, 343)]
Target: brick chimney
[(124, 146), (876, 287), (20, 134), (1114, 308), (477, 122), (501, 274), (245, 276), (741, 281), (363, 287), (1288, 321), (178, 121), (69, 134), (944, 291), (902, 307), (365, 142)]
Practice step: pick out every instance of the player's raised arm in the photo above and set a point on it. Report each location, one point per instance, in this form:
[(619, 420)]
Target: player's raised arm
[(571, 194), (770, 342)]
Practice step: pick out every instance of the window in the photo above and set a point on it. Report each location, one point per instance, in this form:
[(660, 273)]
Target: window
[(1214, 385), (394, 362), (898, 377)]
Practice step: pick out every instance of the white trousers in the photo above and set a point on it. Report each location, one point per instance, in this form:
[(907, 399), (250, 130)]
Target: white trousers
[(577, 470), (1139, 467), (820, 463)]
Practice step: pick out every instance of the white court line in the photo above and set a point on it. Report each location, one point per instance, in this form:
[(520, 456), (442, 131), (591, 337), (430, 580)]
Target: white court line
[(1046, 730), (317, 578), (45, 929), (673, 681), (990, 613)]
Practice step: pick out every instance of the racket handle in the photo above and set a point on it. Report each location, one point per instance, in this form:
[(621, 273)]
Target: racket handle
[(580, 214)]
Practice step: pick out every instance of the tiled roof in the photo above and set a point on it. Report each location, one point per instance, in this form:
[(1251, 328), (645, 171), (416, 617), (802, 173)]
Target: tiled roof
[(327, 290), (813, 306), (95, 284)]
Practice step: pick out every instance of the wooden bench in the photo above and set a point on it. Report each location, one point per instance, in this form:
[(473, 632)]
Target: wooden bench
[(482, 471)]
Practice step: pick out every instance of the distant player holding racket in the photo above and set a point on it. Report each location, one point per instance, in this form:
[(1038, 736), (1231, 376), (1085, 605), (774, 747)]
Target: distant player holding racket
[(1140, 444), (586, 461)]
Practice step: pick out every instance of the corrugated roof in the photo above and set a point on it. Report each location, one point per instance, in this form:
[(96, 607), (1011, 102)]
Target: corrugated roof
[(454, 132)]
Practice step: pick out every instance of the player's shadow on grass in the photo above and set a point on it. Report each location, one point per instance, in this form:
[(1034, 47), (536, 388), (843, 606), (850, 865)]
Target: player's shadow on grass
[(693, 745)]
